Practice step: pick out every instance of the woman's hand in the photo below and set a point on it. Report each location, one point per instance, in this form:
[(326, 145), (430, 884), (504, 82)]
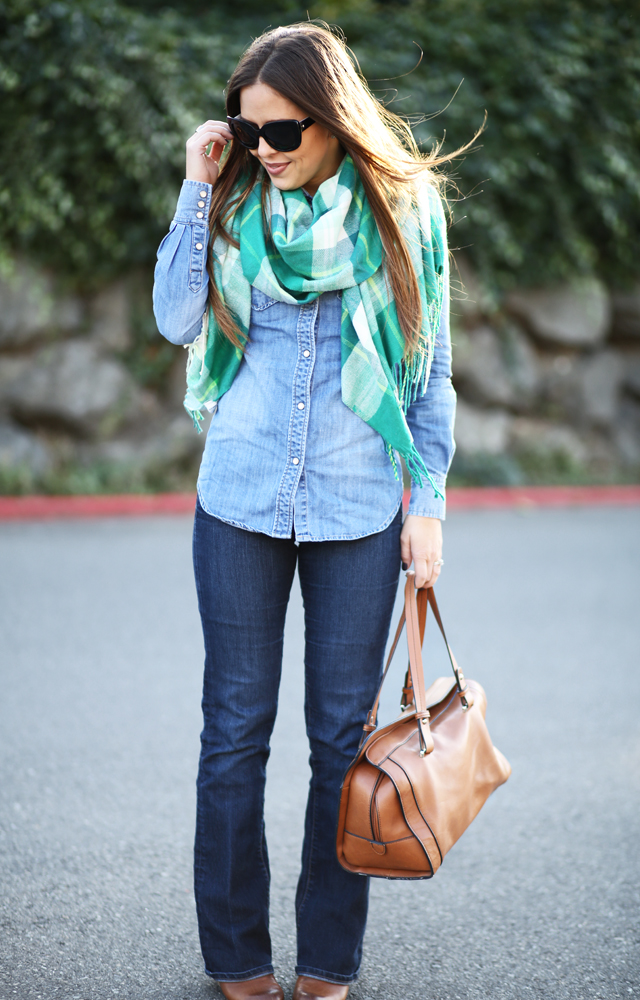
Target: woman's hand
[(200, 167), (421, 543)]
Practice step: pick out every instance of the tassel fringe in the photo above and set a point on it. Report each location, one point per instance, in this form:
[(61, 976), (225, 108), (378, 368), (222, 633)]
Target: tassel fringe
[(417, 470), (197, 418), (411, 379)]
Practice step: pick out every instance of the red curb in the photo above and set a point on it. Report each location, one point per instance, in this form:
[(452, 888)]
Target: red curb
[(496, 497), (542, 496), (47, 508)]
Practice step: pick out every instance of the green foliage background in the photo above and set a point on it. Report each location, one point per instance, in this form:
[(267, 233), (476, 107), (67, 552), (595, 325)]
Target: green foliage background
[(97, 98)]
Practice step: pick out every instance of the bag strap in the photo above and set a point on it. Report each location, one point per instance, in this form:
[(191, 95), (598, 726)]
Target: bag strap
[(415, 666), (459, 676), (407, 691), (372, 717), (414, 615), (406, 698)]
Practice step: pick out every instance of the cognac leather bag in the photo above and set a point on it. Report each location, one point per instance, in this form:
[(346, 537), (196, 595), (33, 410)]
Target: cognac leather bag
[(416, 785)]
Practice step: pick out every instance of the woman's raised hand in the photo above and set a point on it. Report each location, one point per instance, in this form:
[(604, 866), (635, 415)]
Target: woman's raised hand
[(200, 166)]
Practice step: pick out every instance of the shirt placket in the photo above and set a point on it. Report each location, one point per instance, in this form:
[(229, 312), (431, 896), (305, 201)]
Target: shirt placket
[(298, 420)]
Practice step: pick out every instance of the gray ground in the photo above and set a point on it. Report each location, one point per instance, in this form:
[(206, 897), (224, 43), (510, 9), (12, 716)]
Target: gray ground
[(99, 715)]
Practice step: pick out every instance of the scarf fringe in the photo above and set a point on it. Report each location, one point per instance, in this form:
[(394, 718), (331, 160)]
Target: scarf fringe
[(198, 347), (392, 455), (411, 379), (417, 470), (196, 416)]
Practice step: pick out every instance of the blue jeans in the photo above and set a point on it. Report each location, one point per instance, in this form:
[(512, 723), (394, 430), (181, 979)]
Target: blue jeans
[(243, 580)]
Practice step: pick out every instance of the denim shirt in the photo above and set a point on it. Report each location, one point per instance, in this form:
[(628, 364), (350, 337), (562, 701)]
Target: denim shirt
[(283, 452)]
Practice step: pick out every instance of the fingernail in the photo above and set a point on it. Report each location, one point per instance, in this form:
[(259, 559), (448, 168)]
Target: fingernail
[(405, 565)]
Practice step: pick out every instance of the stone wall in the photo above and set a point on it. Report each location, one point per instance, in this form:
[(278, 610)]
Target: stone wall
[(548, 385), (72, 415), (548, 380)]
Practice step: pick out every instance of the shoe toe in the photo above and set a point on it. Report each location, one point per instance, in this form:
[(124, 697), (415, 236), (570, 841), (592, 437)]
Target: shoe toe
[(262, 988), (308, 988)]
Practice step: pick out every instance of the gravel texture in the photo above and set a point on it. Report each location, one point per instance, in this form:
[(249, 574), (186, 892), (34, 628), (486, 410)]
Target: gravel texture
[(99, 722)]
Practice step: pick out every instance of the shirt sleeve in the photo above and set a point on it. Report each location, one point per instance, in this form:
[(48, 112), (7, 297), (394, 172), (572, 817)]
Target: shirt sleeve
[(431, 419), (181, 281)]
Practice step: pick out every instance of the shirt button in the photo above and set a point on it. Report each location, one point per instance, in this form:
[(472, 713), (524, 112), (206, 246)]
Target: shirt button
[(199, 215), (198, 246), (306, 354), (296, 461), (301, 406), (200, 204), (203, 194)]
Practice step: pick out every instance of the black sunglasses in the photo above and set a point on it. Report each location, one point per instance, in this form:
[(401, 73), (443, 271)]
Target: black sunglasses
[(284, 135)]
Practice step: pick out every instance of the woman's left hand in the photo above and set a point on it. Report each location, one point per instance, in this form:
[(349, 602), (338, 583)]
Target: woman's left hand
[(421, 544)]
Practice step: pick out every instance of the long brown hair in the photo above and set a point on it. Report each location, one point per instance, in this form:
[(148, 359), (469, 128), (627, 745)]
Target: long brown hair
[(311, 66)]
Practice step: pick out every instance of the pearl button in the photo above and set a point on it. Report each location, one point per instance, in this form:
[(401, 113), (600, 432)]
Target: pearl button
[(301, 406), (306, 354), (203, 194), (198, 246), (296, 461), (199, 215), (200, 204)]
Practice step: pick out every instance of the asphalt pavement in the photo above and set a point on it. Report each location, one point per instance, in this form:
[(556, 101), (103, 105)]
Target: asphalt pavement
[(100, 673)]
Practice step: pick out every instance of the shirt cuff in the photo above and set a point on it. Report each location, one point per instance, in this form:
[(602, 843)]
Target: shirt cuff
[(423, 503), (193, 204)]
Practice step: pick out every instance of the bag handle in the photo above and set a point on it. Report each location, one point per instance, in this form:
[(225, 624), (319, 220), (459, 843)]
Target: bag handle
[(414, 614), (415, 666), (406, 698), (407, 692), (372, 717)]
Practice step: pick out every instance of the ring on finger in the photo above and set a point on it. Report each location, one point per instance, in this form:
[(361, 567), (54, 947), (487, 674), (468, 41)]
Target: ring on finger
[(439, 562)]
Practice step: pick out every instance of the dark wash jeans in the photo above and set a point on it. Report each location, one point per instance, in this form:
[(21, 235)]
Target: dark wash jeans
[(243, 580)]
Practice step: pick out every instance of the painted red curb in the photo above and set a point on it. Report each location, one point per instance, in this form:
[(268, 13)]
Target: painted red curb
[(470, 497), (475, 497), (47, 508)]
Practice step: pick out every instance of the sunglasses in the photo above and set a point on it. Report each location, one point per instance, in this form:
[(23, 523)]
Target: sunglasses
[(284, 135)]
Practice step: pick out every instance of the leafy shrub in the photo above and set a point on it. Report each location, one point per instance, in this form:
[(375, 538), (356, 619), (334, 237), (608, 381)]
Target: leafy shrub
[(97, 98), (93, 130), (98, 477), (554, 188)]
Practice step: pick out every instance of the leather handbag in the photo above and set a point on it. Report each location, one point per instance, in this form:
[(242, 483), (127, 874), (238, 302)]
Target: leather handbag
[(415, 785)]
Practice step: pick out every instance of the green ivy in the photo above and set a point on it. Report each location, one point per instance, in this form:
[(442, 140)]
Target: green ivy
[(93, 127), (97, 98), (554, 188)]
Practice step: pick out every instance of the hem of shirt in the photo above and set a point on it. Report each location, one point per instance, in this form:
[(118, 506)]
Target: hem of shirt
[(228, 520), (197, 184), (187, 205), (440, 512), (421, 504), (307, 537)]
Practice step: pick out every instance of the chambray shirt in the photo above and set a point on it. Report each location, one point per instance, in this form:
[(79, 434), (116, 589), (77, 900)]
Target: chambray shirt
[(283, 452)]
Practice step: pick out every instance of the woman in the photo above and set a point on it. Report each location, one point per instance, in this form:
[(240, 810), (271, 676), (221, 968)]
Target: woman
[(319, 325)]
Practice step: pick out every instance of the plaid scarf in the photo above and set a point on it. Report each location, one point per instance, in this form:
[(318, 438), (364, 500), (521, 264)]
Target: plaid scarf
[(334, 244)]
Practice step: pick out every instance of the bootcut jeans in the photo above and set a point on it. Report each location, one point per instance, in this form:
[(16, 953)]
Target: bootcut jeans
[(243, 580)]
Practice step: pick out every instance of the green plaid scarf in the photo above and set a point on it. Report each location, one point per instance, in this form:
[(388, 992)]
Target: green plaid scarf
[(332, 245)]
